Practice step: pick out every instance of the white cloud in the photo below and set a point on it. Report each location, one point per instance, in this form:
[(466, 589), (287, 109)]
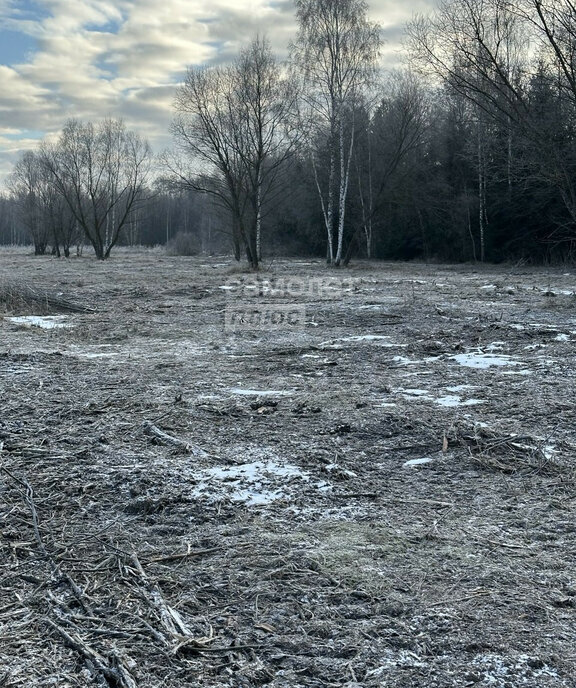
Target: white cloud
[(122, 58)]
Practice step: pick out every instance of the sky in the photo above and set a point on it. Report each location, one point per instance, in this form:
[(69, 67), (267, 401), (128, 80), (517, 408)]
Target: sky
[(92, 59)]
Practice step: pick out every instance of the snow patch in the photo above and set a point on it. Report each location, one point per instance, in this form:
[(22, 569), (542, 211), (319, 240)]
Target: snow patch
[(381, 339), (417, 462), (261, 392), (254, 484), (483, 360), (453, 400), (414, 392), (523, 670), (45, 322)]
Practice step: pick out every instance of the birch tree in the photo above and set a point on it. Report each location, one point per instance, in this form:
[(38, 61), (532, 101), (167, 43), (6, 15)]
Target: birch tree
[(336, 51), (236, 125)]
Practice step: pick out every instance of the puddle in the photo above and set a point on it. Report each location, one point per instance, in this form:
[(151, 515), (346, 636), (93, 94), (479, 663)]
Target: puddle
[(44, 322)]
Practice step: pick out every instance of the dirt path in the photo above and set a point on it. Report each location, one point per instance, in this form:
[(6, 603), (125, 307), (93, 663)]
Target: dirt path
[(380, 495)]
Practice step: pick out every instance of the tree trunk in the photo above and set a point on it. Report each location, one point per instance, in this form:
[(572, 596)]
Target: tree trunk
[(327, 208), (259, 216), (482, 211)]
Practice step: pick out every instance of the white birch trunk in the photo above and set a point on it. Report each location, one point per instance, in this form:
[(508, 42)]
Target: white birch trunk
[(343, 192), (327, 208)]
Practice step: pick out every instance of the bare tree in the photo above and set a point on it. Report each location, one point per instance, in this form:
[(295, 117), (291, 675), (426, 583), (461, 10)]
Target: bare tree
[(490, 52), (26, 184), (100, 171), (236, 126), (336, 51), (394, 131)]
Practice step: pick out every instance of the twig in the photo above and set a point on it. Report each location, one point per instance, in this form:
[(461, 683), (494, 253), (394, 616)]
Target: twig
[(171, 619), (56, 570), (183, 555), (119, 676)]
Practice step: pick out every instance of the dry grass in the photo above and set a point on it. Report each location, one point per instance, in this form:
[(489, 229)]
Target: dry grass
[(25, 298), (117, 570)]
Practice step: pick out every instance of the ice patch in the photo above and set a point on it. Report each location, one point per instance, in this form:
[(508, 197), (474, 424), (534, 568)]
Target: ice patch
[(562, 338), (45, 322)]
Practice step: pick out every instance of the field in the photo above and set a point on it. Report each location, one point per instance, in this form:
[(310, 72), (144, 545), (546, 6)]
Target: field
[(379, 494)]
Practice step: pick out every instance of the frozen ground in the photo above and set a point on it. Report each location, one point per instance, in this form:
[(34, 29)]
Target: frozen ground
[(380, 495)]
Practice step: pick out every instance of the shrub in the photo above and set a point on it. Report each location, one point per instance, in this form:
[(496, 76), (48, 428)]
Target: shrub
[(183, 244)]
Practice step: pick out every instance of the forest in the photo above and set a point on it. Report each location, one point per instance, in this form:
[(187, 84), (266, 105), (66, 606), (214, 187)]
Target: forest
[(468, 153)]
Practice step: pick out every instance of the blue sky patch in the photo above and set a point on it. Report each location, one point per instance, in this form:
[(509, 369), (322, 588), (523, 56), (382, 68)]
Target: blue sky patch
[(15, 47)]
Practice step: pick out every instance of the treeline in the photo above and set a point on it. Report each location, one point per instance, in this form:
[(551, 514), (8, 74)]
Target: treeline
[(469, 155)]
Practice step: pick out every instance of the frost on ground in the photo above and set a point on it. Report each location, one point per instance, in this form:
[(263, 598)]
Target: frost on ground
[(383, 497)]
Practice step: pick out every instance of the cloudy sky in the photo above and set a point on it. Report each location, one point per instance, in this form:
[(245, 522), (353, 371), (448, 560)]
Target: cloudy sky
[(123, 58)]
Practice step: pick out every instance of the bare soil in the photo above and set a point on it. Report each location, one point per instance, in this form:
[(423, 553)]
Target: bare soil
[(380, 495)]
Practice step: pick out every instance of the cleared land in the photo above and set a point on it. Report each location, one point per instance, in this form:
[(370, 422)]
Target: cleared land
[(383, 496)]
